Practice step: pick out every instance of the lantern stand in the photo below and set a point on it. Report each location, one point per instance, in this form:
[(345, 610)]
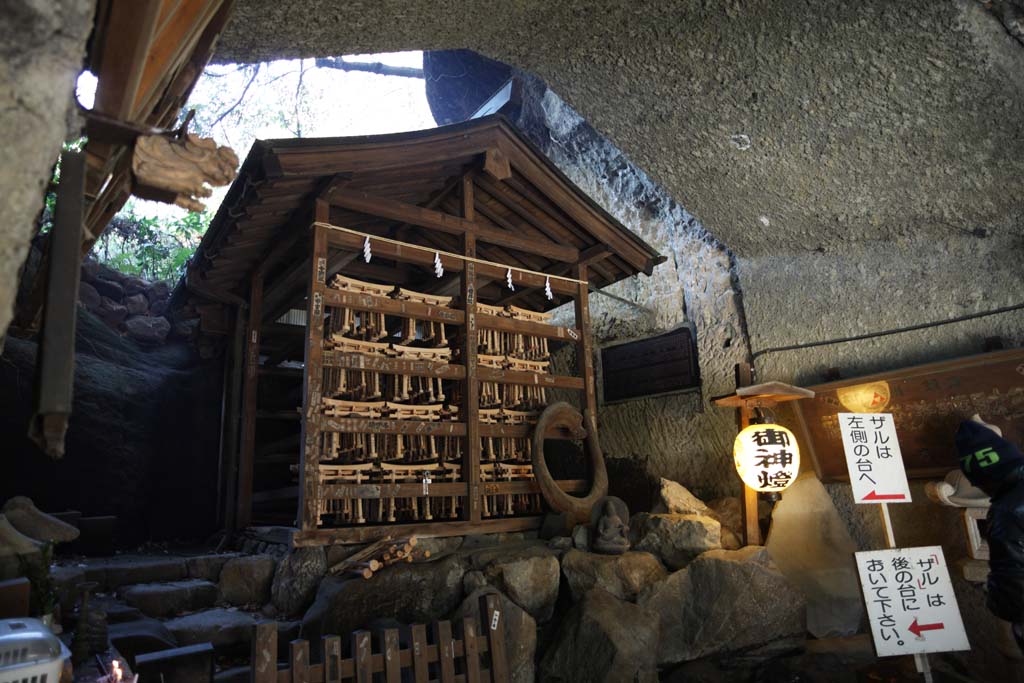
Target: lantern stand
[(749, 400)]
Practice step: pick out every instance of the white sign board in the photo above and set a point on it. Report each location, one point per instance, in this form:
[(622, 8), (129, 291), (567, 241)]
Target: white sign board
[(873, 458), (910, 601)]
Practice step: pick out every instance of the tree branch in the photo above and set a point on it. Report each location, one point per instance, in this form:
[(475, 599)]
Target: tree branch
[(371, 67), (242, 97)]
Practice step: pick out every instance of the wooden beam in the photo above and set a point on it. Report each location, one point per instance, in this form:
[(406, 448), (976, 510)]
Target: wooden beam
[(312, 389), (129, 34), (250, 398), (469, 411), (399, 366), (436, 220), (368, 534), (496, 165), (584, 346), (751, 524)]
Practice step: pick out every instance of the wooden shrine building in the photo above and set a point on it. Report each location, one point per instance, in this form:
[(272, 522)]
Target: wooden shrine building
[(426, 265)]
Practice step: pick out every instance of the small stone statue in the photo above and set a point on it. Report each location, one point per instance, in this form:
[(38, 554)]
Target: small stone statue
[(611, 529)]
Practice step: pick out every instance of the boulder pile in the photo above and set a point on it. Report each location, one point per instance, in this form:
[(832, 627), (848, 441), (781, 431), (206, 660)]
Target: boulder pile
[(131, 305)]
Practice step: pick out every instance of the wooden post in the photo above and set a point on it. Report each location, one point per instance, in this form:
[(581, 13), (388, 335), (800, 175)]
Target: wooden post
[(751, 527), (392, 658), (250, 395), (231, 421), (470, 651), (445, 651), (313, 376), (362, 657), (493, 624), (419, 654), (299, 661), (584, 345), (332, 659), (264, 652), (470, 410)]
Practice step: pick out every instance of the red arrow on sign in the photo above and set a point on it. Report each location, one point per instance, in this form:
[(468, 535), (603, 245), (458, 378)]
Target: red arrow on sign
[(918, 629), (874, 495)]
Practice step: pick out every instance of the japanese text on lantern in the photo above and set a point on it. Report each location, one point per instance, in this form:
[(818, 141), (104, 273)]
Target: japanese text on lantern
[(767, 457), (910, 601), (873, 458)]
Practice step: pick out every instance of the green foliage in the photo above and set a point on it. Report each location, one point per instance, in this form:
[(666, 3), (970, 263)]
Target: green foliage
[(153, 248), (43, 596)]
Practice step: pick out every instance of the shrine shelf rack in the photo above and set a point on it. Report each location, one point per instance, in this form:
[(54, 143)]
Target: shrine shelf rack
[(386, 303)]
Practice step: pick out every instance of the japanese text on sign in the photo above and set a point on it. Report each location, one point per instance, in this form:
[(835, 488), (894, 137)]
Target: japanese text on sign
[(910, 601), (873, 458)]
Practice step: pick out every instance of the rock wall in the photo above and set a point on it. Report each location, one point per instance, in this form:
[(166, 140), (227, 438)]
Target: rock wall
[(42, 45)]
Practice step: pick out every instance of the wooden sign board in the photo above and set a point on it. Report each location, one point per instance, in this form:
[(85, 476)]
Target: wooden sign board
[(928, 403), (658, 365)]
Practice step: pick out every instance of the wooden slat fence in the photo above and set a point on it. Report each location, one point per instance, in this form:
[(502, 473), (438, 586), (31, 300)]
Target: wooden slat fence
[(472, 657)]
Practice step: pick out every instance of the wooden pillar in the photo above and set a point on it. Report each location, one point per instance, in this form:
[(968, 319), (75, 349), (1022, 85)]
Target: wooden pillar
[(250, 395), (231, 420), (469, 411), (584, 346), (751, 527), (313, 375)]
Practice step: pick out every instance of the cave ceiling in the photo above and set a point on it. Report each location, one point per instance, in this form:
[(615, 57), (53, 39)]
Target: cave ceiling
[(783, 126)]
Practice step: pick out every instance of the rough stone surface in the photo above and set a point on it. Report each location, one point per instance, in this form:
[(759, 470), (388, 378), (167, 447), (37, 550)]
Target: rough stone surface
[(169, 599), (109, 288), (726, 601), (675, 539), (530, 582), (603, 639), (41, 49), (246, 580), (729, 512), (228, 630), (676, 499), (581, 538), (24, 516), (408, 593), (625, 576), (127, 569), (810, 544), (520, 632), (141, 636), (137, 304), (297, 577), (88, 296), (207, 566), (148, 329)]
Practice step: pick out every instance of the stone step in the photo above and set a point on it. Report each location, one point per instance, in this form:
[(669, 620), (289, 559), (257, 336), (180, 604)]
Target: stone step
[(120, 571), (169, 599), (228, 630)]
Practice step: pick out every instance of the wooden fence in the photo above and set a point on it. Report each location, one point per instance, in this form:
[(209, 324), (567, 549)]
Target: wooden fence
[(471, 658)]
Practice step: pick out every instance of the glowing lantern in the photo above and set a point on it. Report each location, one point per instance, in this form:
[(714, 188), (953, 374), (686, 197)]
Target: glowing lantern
[(872, 397), (767, 457)]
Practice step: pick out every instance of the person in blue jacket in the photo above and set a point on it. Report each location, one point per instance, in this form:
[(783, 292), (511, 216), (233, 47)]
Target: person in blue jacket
[(996, 466)]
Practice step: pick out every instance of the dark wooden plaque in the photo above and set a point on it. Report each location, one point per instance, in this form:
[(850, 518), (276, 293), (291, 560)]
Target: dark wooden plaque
[(928, 403), (658, 365)]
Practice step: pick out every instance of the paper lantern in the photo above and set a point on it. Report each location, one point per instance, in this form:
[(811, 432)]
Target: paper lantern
[(872, 397), (767, 457)]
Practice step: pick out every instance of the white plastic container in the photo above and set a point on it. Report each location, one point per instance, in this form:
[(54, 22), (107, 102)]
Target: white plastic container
[(29, 652)]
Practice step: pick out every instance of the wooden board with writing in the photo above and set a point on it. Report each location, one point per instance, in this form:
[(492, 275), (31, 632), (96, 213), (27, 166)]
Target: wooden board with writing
[(928, 403), (649, 367)]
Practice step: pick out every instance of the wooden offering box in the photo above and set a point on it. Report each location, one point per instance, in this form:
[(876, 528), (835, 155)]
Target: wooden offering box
[(406, 281)]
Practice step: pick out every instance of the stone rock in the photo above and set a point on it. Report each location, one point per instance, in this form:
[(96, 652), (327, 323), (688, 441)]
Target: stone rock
[(339, 553), (810, 544), (675, 538), (228, 630), (15, 548), (530, 582), (246, 580), (725, 601), (419, 592), (180, 665), (168, 599), (90, 269), (186, 329), (111, 312), (135, 285), (297, 578), (109, 288), (141, 636), (438, 547), (473, 580), (148, 329), (88, 296), (581, 538), (555, 524), (520, 632), (560, 543), (603, 639), (729, 513), (128, 569), (22, 513), (730, 541), (159, 291), (674, 498), (158, 307), (207, 567), (137, 304), (625, 576)]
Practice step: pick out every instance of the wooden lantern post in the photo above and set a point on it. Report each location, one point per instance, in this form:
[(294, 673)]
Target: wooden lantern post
[(746, 400)]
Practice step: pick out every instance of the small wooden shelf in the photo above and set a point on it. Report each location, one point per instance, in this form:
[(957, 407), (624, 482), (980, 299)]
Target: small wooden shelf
[(393, 366), (526, 378), (527, 327), (397, 307), (351, 425)]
